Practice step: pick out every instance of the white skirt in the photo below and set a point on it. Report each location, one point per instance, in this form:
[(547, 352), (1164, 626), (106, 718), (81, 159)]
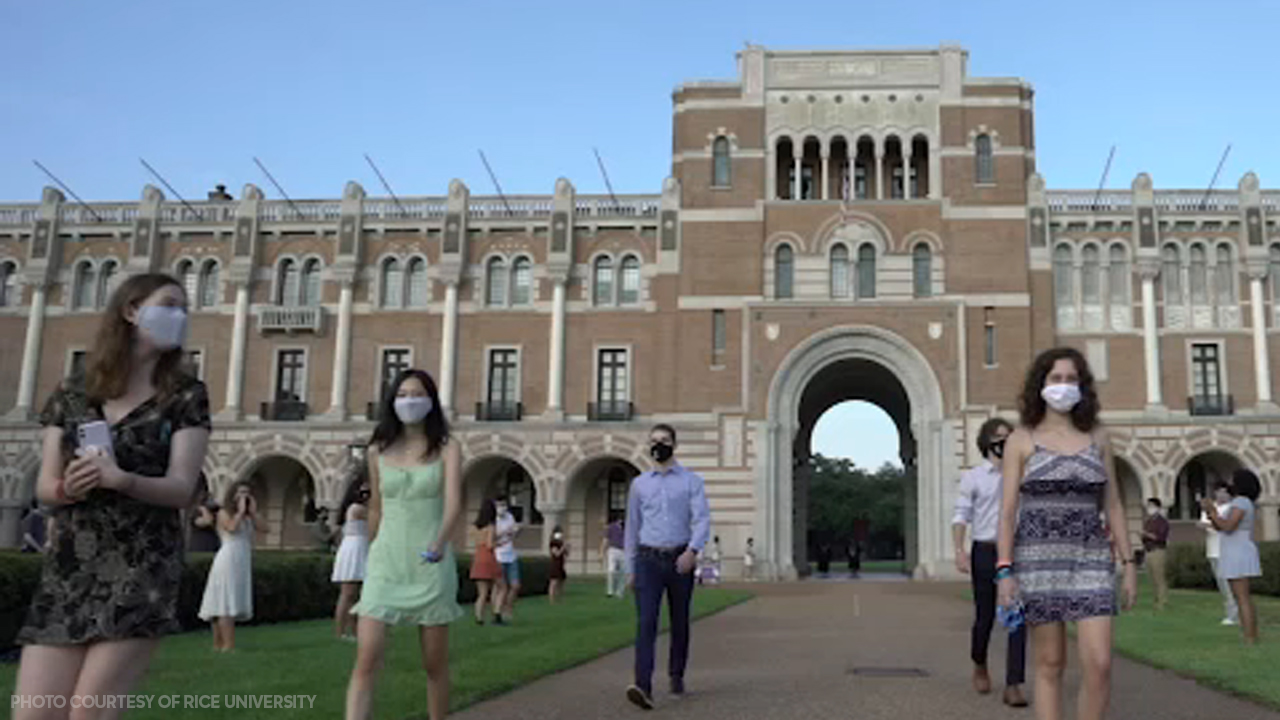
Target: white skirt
[(349, 565), (228, 592)]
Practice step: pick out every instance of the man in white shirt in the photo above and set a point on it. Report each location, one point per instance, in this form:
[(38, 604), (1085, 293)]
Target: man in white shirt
[(978, 508), (505, 530), (1222, 501)]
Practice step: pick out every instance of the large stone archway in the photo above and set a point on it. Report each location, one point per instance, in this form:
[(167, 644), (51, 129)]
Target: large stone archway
[(922, 420)]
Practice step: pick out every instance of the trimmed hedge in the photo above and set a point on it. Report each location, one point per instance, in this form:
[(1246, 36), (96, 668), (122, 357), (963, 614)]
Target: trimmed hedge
[(1189, 568), (287, 586)]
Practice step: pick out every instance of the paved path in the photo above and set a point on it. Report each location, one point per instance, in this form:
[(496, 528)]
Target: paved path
[(789, 652)]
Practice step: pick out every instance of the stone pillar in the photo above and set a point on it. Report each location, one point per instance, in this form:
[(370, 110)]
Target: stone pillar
[(826, 176), (244, 253), (906, 173), (1269, 514), (1261, 353), (559, 268), (232, 410), (44, 254), (25, 408), (342, 352), (1150, 335), (448, 347), (555, 393), (796, 183), (879, 160), (346, 268)]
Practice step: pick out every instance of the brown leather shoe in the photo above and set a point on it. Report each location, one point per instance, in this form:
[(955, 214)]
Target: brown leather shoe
[(981, 680), (1013, 697)]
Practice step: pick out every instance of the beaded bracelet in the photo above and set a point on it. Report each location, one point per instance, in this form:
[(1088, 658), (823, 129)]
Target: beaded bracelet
[(1004, 572)]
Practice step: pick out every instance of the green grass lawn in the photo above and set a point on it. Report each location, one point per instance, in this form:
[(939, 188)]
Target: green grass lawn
[(1187, 638), (884, 566), (304, 658)]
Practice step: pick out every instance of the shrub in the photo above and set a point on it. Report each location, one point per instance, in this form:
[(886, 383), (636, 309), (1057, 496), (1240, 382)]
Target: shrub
[(287, 586), (1189, 568)]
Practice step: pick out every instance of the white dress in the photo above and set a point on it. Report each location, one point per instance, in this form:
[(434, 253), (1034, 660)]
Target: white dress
[(348, 566), (229, 590)]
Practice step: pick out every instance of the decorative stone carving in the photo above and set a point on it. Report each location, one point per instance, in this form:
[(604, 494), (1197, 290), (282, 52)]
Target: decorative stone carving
[(250, 192)]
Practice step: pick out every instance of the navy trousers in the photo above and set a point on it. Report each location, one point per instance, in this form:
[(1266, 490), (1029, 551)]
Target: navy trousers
[(984, 598), (656, 575)]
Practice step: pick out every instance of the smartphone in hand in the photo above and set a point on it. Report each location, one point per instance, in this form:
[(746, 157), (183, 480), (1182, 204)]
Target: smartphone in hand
[(94, 437)]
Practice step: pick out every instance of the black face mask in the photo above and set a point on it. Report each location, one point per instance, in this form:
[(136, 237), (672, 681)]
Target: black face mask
[(363, 495), (997, 448), (661, 452)]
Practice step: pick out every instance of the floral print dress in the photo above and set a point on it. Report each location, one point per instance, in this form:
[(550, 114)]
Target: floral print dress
[(115, 562)]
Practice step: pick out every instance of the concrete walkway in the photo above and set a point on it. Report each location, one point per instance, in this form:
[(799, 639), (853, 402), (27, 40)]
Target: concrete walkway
[(790, 652)]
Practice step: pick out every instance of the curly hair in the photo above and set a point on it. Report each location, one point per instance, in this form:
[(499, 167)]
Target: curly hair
[(1032, 407)]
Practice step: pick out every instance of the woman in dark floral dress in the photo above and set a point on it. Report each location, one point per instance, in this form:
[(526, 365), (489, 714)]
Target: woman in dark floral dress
[(109, 585)]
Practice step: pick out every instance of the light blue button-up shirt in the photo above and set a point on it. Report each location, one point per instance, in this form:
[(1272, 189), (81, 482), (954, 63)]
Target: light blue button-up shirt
[(667, 508)]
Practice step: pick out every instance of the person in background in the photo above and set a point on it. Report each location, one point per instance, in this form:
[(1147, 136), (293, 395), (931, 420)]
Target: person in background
[(559, 553), (668, 525), (485, 571), (505, 531), (854, 552), (612, 549), (353, 552), (228, 590), (749, 560), (415, 500), (978, 509), (35, 539), (1155, 538), (1238, 559), (204, 520), (109, 585), (1212, 543)]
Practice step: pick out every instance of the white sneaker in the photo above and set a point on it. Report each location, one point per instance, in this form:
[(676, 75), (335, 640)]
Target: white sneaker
[(1229, 621)]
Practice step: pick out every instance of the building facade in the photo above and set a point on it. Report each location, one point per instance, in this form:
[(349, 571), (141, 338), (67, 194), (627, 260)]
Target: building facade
[(836, 226)]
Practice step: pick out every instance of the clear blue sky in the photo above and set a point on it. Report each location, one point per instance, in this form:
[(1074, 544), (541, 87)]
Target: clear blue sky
[(859, 431), (198, 89)]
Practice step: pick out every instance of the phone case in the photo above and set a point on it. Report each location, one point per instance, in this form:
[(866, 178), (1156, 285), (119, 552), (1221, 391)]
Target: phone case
[(96, 435)]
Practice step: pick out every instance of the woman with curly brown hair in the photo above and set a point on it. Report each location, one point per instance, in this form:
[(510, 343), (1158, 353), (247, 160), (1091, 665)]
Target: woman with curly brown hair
[(1054, 555)]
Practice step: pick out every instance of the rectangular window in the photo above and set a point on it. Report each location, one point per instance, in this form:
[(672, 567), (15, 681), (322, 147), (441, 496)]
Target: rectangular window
[(611, 382), (989, 337), (291, 376), (77, 365), (504, 377), (394, 362), (1206, 376), (194, 363), (618, 487), (718, 337), (1096, 354)]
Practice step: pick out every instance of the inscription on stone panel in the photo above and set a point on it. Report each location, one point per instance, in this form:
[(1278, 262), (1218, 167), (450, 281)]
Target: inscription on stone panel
[(854, 71)]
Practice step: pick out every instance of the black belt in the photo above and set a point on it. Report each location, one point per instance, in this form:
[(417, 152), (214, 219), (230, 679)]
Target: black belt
[(663, 552), (985, 542)]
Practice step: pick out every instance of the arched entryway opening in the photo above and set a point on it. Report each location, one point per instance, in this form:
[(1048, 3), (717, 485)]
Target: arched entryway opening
[(286, 495), (597, 496), (493, 476), (855, 363)]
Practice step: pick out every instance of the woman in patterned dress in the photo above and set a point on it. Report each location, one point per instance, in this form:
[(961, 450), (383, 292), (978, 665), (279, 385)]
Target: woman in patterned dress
[(1055, 555), (109, 585)]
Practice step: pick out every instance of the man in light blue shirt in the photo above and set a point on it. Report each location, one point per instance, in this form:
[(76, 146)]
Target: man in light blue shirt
[(668, 524)]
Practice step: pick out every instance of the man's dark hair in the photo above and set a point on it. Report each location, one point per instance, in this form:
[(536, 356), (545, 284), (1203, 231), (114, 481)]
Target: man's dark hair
[(987, 433), (1155, 501), (1245, 484), (664, 428)]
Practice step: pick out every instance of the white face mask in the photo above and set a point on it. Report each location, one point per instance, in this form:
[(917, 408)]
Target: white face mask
[(1063, 397), (413, 410), (558, 536), (165, 327)]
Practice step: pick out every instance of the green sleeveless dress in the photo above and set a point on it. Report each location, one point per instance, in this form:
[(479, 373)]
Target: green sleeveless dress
[(398, 586)]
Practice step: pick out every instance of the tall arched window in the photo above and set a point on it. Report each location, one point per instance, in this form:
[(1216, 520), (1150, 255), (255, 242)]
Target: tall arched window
[(1118, 282), (1171, 275), (1225, 277), (521, 281), (630, 280), (1199, 275), (1090, 275), (839, 271), (288, 283), (1063, 293), (85, 285), (984, 163), (189, 279), (416, 276), (106, 282), (8, 284), (602, 281), (922, 270), (866, 271), (783, 272), (720, 162), (210, 287), (496, 282), (309, 291), (392, 284)]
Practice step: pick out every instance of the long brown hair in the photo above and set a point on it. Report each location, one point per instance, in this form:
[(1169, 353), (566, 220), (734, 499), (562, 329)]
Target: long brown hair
[(229, 497), (1032, 406), (107, 374)]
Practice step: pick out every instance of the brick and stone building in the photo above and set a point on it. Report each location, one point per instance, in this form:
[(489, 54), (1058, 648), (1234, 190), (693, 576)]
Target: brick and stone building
[(836, 226)]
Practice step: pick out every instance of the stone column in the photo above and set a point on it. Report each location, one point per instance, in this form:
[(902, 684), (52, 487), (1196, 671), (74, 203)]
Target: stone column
[(1269, 514), (1261, 353), (1150, 335), (448, 346), (796, 183), (826, 176), (25, 408), (906, 174), (235, 373), (555, 384), (879, 160), (342, 352)]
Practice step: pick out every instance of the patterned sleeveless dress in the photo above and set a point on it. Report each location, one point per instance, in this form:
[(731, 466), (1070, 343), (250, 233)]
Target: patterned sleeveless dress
[(1062, 557)]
